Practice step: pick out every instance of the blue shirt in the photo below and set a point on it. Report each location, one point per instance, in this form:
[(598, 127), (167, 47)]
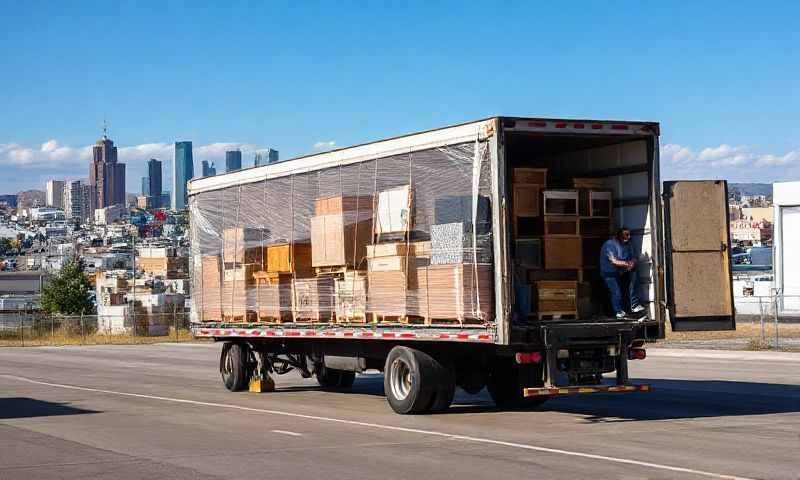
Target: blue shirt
[(616, 250)]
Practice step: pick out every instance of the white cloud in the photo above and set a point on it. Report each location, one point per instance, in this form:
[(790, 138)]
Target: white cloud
[(739, 163), (329, 145)]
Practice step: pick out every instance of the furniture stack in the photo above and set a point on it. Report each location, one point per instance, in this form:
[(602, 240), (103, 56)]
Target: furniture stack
[(242, 256), (210, 291), (396, 281)]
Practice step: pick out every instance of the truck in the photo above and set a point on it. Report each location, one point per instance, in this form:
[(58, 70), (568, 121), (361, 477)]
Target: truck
[(464, 256)]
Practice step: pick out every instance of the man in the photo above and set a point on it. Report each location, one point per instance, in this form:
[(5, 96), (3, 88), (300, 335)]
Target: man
[(618, 268)]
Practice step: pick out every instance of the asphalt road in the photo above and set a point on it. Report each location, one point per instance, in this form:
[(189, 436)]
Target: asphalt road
[(129, 412)]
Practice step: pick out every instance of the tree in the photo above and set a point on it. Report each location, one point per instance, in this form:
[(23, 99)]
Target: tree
[(5, 245), (68, 292)]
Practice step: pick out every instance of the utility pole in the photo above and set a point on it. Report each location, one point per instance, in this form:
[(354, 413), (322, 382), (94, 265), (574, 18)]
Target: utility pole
[(134, 287)]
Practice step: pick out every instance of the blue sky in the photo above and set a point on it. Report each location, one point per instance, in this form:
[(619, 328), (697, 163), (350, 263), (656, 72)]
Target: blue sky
[(723, 78)]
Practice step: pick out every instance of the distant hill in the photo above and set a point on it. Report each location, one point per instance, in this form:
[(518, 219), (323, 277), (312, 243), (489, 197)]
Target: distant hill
[(751, 188), (31, 198)]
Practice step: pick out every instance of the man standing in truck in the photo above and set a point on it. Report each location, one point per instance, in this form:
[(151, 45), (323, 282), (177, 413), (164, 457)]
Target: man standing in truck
[(618, 268)]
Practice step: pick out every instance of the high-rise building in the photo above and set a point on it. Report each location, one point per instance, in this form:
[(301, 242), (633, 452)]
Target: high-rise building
[(182, 172), (145, 186), (208, 170), (265, 157), (233, 160), (106, 175), (154, 174), (78, 200), (55, 193)]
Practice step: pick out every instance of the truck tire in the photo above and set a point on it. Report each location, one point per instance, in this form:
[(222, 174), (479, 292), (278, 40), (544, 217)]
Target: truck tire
[(233, 366), (410, 380), (445, 387)]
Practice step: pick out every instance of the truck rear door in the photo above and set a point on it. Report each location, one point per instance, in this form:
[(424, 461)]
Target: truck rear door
[(697, 248)]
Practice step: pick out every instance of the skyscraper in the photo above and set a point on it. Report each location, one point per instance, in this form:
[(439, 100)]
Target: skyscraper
[(265, 157), (182, 172), (233, 160), (55, 193), (154, 174), (145, 186), (106, 175), (78, 200), (208, 170)]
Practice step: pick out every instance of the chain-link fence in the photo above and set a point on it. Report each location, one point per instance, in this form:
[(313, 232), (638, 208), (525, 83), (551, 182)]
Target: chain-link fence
[(20, 328), (773, 320)]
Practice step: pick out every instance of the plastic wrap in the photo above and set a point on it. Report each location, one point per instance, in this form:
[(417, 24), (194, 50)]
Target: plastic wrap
[(399, 239)]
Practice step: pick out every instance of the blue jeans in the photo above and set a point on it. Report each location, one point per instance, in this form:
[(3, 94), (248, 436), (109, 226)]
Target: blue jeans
[(616, 282)]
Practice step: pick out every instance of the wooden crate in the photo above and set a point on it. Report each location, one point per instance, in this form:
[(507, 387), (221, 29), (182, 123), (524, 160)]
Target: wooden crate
[(238, 301), (526, 199), (242, 274), (288, 258), (334, 242), (600, 203), (536, 176), (313, 299), (558, 225), (351, 297), (460, 293), (528, 252), (560, 202), (596, 226), (274, 300), (589, 183), (563, 252), (556, 297)]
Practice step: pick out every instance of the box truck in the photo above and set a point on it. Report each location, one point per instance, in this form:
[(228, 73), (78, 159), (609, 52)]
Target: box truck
[(465, 256)]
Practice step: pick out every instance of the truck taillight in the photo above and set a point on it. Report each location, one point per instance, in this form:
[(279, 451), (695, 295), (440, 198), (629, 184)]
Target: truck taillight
[(637, 354), (523, 358)]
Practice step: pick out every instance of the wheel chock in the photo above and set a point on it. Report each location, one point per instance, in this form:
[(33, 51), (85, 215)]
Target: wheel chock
[(262, 385)]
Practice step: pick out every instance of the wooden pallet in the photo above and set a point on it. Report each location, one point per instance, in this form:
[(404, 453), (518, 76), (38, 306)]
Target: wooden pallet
[(250, 317), (404, 319)]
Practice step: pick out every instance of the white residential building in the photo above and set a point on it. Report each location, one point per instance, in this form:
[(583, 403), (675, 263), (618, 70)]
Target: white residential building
[(55, 193)]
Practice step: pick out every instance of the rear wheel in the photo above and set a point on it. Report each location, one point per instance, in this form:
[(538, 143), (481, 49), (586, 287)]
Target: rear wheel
[(410, 380), (234, 366)]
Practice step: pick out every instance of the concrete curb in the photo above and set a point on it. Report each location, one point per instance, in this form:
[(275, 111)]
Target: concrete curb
[(724, 355)]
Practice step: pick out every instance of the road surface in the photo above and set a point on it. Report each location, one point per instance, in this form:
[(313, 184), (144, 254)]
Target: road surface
[(126, 412)]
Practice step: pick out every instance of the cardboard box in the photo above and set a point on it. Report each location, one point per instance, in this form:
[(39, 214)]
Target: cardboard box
[(334, 243), (536, 176), (460, 292), (399, 248), (242, 245), (395, 209), (241, 274), (563, 252), (351, 297), (341, 204), (274, 300), (395, 263)]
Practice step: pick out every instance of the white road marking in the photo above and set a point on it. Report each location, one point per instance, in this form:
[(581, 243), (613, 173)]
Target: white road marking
[(434, 433), (286, 432)]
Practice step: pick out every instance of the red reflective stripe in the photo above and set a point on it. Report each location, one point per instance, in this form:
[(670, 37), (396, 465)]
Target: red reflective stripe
[(366, 334), (596, 126), (329, 333), (388, 335), (408, 335), (537, 124), (619, 127), (311, 333), (292, 333), (561, 125), (578, 125), (348, 334)]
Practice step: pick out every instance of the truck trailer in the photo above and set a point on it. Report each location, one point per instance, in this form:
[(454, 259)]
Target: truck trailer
[(465, 256)]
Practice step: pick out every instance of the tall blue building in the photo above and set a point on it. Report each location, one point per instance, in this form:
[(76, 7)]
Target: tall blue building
[(208, 170), (182, 172), (266, 157), (154, 175), (233, 160), (145, 186)]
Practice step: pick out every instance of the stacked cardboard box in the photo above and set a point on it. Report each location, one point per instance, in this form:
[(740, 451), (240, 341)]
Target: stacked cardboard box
[(274, 297), (242, 245), (461, 292), (210, 302), (394, 278)]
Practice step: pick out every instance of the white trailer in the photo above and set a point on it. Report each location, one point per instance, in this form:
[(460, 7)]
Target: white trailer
[(680, 235)]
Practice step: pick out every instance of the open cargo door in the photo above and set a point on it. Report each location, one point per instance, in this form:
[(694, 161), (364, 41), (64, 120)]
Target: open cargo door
[(699, 284)]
